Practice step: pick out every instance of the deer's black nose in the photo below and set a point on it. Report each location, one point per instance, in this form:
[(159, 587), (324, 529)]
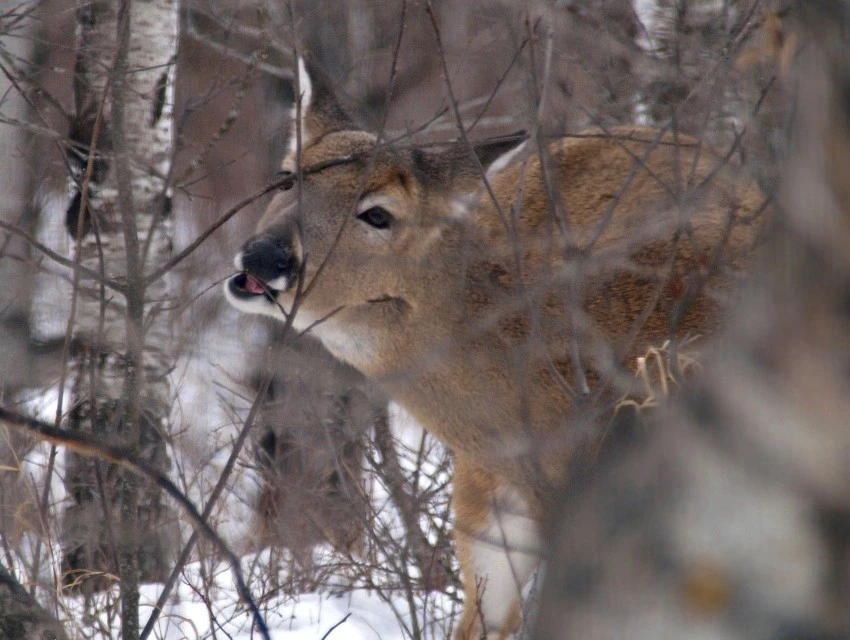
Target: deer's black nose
[(269, 258)]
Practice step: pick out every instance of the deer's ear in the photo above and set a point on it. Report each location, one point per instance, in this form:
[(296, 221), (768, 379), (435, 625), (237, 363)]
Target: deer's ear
[(316, 110), (459, 167), (495, 154)]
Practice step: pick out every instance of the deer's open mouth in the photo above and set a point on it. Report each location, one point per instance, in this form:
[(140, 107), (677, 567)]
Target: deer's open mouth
[(246, 286)]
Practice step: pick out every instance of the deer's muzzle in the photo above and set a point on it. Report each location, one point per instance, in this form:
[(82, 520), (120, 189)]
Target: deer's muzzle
[(268, 265)]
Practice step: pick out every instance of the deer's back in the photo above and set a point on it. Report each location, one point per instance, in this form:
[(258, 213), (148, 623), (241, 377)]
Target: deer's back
[(622, 242)]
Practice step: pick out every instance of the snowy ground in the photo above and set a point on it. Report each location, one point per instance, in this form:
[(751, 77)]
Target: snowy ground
[(354, 615), (353, 597), (364, 596), (206, 604)]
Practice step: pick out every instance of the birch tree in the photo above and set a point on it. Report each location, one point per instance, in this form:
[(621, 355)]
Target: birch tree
[(21, 616), (15, 359), (15, 46), (120, 218)]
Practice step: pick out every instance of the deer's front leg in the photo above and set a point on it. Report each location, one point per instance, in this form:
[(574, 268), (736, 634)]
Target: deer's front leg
[(498, 544)]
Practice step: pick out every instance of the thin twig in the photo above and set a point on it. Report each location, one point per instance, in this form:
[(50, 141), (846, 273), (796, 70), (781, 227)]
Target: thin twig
[(125, 457), (60, 259), (284, 182), (331, 630), (208, 508)]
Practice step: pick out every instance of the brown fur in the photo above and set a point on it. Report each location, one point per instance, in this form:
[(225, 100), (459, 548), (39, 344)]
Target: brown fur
[(475, 322)]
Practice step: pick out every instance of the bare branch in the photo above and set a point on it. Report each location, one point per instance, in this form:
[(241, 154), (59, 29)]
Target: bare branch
[(123, 456)]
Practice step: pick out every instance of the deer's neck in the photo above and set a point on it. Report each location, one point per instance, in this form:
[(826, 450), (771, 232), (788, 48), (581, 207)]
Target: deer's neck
[(463, 392)]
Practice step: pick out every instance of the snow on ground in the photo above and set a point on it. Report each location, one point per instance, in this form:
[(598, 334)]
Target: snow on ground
[(359, 597), (207, 593), (353, 615), (364, 596)]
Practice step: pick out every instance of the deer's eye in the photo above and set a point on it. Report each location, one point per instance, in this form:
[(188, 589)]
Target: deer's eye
[(377, 217)]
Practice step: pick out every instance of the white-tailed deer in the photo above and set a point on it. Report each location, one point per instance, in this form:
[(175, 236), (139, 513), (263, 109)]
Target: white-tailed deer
[(491, 295)]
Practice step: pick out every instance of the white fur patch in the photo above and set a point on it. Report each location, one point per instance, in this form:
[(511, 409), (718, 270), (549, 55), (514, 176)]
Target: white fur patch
[(256, 304), (504, 160), (305, 86), (281, 283), (288, 162), (353, 347), (462, 206), (505, 554), (237, 261)]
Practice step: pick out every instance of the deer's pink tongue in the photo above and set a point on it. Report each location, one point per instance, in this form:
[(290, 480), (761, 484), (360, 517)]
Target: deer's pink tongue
[(254, 286)]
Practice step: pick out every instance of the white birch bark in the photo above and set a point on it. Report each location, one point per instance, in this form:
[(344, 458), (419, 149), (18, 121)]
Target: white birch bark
[(120, 384)]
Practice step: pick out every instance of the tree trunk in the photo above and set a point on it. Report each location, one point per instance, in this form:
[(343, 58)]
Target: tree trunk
[(16, 271), (120, 217), (21, 616)]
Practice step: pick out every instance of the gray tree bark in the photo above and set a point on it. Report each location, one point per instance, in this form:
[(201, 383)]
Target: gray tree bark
[(120, 218), (15, 270), (21, 617)]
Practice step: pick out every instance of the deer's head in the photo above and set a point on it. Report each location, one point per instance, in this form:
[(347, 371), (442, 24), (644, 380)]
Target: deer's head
[(367, 240)]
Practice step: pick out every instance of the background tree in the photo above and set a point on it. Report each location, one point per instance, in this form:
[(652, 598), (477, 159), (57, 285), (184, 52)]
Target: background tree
[(120, 145)]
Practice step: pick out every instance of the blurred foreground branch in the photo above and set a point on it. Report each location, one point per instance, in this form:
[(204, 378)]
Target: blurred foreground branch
[(22, 616), (727, 515)]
